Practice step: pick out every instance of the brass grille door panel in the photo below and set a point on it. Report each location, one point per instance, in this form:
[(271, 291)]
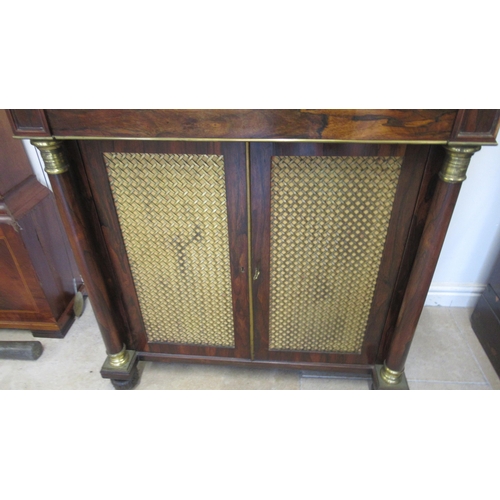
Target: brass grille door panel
[(182, 216), (178, 247), (321, 220), (329, 221)]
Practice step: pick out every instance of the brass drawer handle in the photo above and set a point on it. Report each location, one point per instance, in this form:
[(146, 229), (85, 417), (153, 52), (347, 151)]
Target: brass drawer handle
[(256, 273)]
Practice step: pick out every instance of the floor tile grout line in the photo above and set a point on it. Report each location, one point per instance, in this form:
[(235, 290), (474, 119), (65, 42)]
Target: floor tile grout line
[(464, 336), (448, 382), (336, 378)]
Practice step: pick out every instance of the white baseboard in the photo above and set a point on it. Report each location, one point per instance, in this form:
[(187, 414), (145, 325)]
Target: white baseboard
[(453, 295)]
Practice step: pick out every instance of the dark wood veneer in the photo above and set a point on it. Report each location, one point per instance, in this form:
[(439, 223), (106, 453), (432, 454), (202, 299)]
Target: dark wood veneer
[(426, 190), (29, 122), (360, 125), (476, 126), (215, 360), (82, 226), (422, 271)]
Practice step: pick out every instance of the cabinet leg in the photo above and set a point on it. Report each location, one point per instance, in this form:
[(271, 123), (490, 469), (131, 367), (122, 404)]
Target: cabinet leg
[(122, 369), (86, 243), (390, 375)]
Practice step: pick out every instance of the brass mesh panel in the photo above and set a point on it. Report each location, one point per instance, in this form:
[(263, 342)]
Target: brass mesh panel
[(329, 221), (173, 216)]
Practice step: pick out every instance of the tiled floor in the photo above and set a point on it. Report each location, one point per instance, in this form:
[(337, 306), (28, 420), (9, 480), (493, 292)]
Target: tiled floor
[(445, 355)]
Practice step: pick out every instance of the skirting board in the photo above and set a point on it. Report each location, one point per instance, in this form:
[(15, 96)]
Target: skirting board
[(453, 295)]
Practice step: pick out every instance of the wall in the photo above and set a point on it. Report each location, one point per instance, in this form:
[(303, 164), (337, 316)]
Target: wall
[(36, 163), (473, 240)]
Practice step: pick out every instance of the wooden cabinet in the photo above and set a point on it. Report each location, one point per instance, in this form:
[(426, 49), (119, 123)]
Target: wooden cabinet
[(485, 319), (37, 267), (299, 239)]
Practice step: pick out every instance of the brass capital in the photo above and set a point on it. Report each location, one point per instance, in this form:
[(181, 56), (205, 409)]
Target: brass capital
[(390, 376), (456, 163), (52, 155), (120, 358)]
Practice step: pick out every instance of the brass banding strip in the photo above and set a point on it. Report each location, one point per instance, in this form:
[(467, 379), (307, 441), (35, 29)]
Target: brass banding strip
[(242, 139), (250, 263)]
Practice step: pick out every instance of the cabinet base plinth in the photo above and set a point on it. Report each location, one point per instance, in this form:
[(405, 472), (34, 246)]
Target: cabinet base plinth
[(55, 334), (66, 319), (380, 384)]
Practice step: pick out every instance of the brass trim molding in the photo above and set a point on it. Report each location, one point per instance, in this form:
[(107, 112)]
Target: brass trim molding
[(250, 263), (52, 154), (456, 163), (120, 358), (392, 377), (238, 139)]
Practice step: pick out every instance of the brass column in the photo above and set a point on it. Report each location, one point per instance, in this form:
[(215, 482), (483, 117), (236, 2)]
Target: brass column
[(120, 364), (391, 375)]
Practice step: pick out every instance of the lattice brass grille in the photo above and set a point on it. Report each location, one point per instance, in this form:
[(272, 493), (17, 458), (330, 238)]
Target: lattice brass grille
[(329, 221), (173, 216)]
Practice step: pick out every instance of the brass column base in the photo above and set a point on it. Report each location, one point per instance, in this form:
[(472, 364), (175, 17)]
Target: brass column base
[(124, 376), (380, 383)]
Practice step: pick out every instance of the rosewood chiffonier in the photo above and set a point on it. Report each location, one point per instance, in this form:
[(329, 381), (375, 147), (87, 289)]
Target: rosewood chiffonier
[(301, 239)]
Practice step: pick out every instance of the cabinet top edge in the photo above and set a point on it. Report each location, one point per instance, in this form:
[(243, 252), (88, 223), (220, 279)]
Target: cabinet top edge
[(358, 126)]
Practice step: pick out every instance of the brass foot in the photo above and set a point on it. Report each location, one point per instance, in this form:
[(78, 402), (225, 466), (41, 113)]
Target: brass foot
[(121, 368), (386, 379)]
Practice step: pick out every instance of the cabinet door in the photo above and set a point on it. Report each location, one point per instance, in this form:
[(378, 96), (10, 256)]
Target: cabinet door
[(174, 217), (329, 227), (22, 300)]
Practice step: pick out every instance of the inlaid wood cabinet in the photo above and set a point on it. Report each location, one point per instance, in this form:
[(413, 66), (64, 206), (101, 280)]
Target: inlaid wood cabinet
[(296, 239), (37, 267)]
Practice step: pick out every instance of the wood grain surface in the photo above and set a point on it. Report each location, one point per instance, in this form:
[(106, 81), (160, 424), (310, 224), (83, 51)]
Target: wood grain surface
[(361, 125), (29, 122), (433, 235), (476, 126)]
